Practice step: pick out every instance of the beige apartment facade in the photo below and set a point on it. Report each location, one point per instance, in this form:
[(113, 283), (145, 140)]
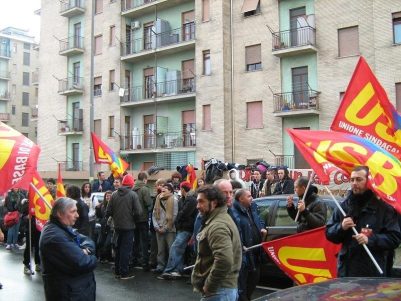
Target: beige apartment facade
[(256, 69)]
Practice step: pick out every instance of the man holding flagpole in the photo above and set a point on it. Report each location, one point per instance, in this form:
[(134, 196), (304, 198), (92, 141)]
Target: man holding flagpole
[(376, 223)]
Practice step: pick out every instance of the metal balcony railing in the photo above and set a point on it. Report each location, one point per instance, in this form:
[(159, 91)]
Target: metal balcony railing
[(4, 116), (284, 160), (5, 52), (71, 165), (70, 83), (4, 95), (300, 100), (159, 40), (66, 5), (70, 125), (35, 77), (163, 89), (4, 74), (294, 38), (159, 140), (73, 42), (130, 4), (34, 113)]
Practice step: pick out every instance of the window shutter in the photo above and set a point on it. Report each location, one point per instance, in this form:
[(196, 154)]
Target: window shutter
[(253, 54), (188, 117), (255, 115), (348, 41), (205, 10), (207, 121), (188, 69), (249, 5), (398, 96)]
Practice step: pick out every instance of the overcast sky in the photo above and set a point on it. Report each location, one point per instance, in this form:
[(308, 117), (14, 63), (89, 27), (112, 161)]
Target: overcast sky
[(19, 13)]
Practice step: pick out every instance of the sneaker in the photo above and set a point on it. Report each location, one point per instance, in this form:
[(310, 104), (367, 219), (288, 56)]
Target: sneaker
[(8, 247), (27, 271), (128, 276), (18, 247), (117, 276), (175, 275), (157, 271), (164, 276), (37, 268)]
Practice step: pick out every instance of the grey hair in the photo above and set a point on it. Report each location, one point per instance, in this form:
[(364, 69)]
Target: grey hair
[(62, 205), (239, 193)]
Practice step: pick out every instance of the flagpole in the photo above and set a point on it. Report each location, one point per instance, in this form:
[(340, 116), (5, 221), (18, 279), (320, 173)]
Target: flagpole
[(30, 243), (306, 190), (354, 230), (41, 196)]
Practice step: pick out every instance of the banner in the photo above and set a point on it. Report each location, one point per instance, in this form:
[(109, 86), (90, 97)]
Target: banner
[(191, 176), (37, 206), (307, 257), (103, 154), (18, 159), (60, 191), (366, 111), (328, 152)]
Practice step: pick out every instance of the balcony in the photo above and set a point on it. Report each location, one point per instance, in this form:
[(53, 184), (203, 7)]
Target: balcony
[(135, 8), (168, 42), (71, 165), (4, 117), (4, 95), (164, 91), (158, 142), (5, 75), (70, 126), (5, 53), (35, 78), (294, 42), (284, 160), (71, 8), (34, 113), (296, 103), (70, 86), (72, 46)]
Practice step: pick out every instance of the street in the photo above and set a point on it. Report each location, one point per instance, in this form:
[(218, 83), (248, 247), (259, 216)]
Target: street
[(19, 287)]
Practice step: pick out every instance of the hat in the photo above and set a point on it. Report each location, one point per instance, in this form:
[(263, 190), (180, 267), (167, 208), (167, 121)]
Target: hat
[(185, 184), (128, 180)]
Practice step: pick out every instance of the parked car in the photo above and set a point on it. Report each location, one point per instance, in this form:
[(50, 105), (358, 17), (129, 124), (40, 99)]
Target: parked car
[(99, 195)]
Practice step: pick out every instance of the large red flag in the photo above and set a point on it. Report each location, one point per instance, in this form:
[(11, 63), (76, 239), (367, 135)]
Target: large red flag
[(307, 257), (37, 206), (104, 154), (191, 176), (18, 159), (60, 191), (367, 112), (329, 151)]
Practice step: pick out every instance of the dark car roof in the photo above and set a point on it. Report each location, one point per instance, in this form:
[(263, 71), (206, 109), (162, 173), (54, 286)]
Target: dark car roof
[(342, 289)]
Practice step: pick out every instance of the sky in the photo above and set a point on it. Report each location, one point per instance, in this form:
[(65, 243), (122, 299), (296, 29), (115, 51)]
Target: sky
[(19, 13)]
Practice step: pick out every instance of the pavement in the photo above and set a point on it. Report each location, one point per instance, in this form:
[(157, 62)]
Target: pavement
[(19, 287)]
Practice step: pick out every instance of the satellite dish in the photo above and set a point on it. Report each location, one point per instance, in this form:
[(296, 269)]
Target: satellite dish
[(121, 92)]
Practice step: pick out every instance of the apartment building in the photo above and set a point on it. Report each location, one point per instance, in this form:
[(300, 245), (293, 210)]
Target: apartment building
[(168, 82), (19, 81)]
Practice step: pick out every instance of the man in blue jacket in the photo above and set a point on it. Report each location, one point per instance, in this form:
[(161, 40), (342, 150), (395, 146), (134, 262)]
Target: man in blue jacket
[(68, 258)]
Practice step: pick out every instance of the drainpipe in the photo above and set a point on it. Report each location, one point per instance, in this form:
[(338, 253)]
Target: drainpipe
[(91, 82), (232, 83)]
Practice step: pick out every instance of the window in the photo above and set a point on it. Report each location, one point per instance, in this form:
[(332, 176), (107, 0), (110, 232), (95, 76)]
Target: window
[(188, 25), (25, 99), (112, 37), (98, 6), (36, 92), (97, 86), (98, 127), (98, 44), (250, 7), (25, 78), (397, 28), (13, 110), (27, 46), (398, 96), (188, 76), (25, 119), (348, 41), (27, 59), (253, 58), (111, 126), (15, 47), (254, 115), (206, 63), (205, 10), (112, 79), (207, 121), (13, 89)]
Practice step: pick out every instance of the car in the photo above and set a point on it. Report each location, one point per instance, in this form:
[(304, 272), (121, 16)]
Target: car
[(99, 196), (341, 289)]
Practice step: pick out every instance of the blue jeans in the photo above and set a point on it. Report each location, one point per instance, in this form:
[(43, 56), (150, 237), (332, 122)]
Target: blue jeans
[(125, 242), (12, 233), (222, 294), (176, 256)]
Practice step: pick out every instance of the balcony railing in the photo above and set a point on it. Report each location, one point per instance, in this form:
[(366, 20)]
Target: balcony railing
[(5, 52), (70, 84), (71, 165), (159, 40), (284, 160), (70, 8), (75, 43), (165, 140), (130, 4), (163, 89), (4, 74), (70, 126), (294, 38), (4, 95), (34, 113), (292, 101), (4, 116), (35, 78)]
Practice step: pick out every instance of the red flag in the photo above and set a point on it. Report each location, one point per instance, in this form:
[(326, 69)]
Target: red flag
[(18, 159), (367, 112), (329, 151), (37, 206), (191, 176), (60, 191), (103, 154), (307, 257)]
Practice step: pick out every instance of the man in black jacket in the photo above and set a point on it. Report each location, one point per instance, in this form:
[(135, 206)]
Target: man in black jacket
[(312, 211), (285, 185), (184, 224), (376, 223), (68, 258)]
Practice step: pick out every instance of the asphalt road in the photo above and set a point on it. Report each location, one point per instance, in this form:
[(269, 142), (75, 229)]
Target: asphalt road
[(19, 287)]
